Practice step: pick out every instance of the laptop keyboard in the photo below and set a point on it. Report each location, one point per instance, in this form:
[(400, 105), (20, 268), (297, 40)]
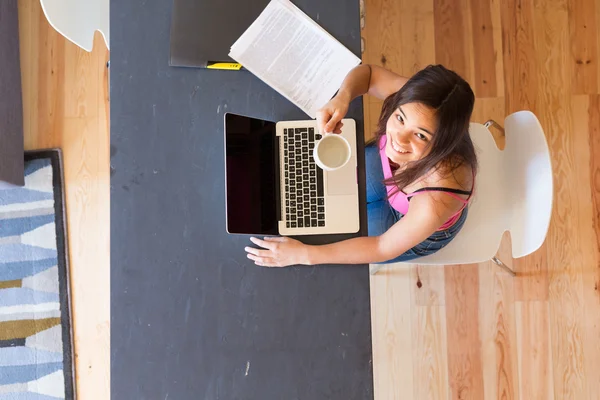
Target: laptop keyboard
[(304, 194)]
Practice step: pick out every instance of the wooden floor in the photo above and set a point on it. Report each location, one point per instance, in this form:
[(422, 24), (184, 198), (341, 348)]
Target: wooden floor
[(462, 332), (472, 331), (65, 101)]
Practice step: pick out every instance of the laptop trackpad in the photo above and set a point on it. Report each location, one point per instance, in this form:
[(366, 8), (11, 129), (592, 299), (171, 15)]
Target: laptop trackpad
[(342, 181)]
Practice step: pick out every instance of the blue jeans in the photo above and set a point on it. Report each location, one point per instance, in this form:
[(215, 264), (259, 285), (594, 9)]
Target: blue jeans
[(381, 215)]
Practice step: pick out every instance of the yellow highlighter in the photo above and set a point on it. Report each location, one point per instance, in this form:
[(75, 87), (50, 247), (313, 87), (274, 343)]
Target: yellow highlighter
[(224, 65)]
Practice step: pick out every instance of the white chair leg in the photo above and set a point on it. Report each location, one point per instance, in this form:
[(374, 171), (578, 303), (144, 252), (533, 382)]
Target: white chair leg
[(491, 122), (503, 266), (375, 268), (500, 139)]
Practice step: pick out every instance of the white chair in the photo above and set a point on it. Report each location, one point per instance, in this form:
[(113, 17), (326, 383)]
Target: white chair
[(77, 20), (513, 192)]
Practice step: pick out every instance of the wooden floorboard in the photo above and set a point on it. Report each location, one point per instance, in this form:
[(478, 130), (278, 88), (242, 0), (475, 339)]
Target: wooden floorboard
[(391, 314), (583, 46), (465, 372)]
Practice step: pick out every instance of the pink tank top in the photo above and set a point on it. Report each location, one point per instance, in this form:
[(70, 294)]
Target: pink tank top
[(400, 200)]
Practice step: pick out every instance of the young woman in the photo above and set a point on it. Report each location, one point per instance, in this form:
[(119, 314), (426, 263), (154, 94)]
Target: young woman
[(420, 170)]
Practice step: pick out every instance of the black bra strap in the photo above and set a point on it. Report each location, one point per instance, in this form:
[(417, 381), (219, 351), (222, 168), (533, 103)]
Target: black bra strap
[(442, 189)]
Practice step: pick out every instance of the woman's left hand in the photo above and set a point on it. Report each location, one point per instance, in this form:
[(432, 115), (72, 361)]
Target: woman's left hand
[(279, 252)]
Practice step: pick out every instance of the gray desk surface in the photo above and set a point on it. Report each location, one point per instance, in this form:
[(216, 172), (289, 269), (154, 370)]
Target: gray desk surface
[(191, 317)]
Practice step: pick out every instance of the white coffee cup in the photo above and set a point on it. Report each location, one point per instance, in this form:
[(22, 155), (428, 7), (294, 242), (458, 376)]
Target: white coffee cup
[(332, 152)]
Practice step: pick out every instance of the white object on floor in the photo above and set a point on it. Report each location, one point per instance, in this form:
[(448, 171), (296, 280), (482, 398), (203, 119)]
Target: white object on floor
[(78, 20), (513, 192)]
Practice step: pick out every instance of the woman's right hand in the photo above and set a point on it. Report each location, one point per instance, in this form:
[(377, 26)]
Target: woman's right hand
[(329, 117)]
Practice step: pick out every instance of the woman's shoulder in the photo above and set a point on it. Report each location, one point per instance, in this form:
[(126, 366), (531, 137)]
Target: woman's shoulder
[(438, 203), (450, 176)]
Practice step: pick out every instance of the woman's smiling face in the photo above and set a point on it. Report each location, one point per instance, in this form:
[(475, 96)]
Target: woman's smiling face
[(409, 130)]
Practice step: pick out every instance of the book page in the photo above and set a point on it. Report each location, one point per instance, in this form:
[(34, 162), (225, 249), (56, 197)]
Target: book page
[(294, 55)]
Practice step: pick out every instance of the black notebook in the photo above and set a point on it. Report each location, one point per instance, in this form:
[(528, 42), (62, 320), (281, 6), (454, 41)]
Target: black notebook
[(202, 31)]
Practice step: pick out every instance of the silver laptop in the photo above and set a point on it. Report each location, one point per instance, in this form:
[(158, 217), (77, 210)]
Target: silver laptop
[(274, 187)]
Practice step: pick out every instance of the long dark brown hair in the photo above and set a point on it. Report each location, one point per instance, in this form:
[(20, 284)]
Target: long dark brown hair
[(452, 99)]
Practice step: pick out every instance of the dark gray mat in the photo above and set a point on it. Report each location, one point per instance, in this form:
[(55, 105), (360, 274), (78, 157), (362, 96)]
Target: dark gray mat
[(11, 105), (191, 317)]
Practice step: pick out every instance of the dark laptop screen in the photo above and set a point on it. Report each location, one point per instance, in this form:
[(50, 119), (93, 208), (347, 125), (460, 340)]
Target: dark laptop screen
[(252, 173)]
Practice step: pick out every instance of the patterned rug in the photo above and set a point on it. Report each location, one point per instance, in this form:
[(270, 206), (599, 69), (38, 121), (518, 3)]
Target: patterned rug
[(35, 325)]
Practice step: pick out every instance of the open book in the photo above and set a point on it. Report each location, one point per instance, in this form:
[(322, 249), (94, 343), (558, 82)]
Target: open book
[(294, 55)]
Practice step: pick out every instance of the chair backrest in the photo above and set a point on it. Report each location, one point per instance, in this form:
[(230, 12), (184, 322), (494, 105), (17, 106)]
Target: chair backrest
[(513, 192), (77, 20)]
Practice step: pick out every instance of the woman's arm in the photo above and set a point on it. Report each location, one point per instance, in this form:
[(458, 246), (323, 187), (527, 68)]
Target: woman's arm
[(427, 213), (376, 81), (417, 225), (371, 79)]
